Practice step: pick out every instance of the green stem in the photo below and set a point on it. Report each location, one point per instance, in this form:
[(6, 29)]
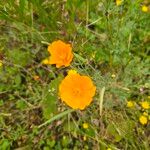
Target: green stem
[(101, 100), (44, 42), (56, 117)]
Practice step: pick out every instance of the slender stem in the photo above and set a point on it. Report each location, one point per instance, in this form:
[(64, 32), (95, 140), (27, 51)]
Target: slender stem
[(6, 114), (44, 42), (56, 117), (87, 16), (101, 100)]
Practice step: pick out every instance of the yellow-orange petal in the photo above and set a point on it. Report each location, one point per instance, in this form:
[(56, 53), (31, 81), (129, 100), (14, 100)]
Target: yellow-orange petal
[(130, 104), (1, 63), (145, 105), (77, 91), (61, 53), (45, 61), (36, 77), (144, 8), (118, 2), (85, 125), (143, 120)]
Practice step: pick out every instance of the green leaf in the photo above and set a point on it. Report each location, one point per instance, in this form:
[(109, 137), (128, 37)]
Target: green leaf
[(21, 104), (90, 132), (51, 96), (46, 148), (20, 57), (51, 143), (5, 144), (65, 141), (69, 127), (1, 102), (17, 80), (112, 131), (49, 106)]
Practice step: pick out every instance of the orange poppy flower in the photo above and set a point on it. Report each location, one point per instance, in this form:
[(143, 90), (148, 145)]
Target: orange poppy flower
[(61, 54), (77, 91)]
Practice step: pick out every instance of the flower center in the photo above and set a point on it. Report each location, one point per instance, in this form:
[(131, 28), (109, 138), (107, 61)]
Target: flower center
[(76, 92)]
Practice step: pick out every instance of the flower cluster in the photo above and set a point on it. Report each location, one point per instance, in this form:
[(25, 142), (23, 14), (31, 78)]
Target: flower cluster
[(75, 90), (144, 7), (144, 107)]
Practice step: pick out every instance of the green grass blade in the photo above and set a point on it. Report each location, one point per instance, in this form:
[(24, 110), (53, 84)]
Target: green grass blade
[(56, 117)]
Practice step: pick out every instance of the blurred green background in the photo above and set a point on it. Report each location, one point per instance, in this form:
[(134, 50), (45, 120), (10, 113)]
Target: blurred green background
[(110, 43)]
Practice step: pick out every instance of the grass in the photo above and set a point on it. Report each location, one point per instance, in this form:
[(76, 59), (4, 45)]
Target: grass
[(110, 44)]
